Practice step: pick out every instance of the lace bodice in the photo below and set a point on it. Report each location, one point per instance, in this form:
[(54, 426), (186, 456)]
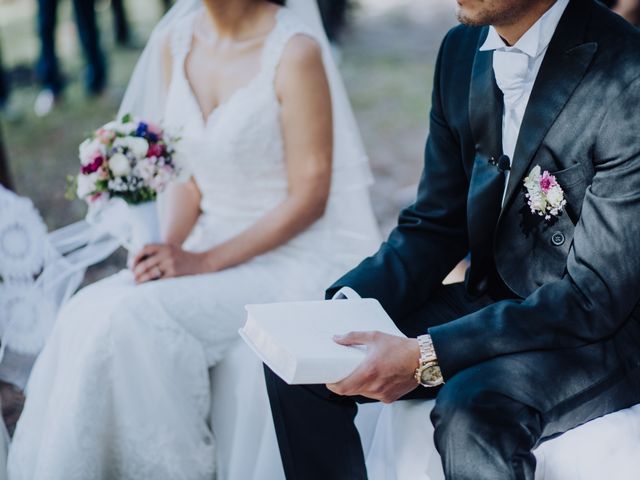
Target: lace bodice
[(236, 155)]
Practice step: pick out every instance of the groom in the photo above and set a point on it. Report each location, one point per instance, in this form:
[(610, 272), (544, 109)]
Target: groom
[(533, 166)]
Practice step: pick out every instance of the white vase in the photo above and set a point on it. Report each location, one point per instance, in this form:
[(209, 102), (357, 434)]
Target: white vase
[(144, 226)]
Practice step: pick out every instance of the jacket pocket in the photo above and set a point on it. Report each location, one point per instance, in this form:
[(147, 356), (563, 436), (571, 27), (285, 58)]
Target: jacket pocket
[(573, 182)]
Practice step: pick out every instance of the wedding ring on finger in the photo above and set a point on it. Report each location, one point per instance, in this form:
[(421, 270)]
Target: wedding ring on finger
[(157, 273)]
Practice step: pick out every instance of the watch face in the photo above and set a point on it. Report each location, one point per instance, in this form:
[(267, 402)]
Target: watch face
[(431, 376)]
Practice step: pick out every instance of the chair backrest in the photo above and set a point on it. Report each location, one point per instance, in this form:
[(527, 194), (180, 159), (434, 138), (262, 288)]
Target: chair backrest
[(39, 271)]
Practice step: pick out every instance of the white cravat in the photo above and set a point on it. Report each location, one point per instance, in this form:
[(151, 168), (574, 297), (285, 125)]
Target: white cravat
[(516, 69)]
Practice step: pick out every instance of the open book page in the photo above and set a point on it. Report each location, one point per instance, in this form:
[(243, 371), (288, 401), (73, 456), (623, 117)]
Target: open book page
[(295, 339)]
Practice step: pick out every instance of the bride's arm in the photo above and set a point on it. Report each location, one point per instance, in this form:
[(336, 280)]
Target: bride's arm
[(181, 203), (303, 91), (180, 211)]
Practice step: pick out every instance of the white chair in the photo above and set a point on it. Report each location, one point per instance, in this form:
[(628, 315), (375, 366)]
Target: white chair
[(38, 273), (605, 448)]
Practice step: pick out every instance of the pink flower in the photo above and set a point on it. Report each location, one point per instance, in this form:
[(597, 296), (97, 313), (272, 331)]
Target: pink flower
[(547, 181), (97, 197), (106, 136), (155, 150), (94, 165), (155, 129), (103, 172)]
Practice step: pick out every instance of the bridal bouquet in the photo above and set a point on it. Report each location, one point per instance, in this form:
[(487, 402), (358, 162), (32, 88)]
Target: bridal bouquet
[(127, 159), (124, 165)]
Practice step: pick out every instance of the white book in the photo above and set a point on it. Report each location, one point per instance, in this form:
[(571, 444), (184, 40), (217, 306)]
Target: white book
[(295, 339)]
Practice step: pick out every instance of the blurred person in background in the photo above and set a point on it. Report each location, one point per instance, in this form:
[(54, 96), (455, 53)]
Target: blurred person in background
[(4, 85), (628, 9), (121, 24), (5, 180), (334, 14), (122, 32), (4, 99), (48, 67), (8, 110)]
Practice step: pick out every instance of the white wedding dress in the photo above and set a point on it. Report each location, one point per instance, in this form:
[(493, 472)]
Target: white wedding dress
[(122, 389)]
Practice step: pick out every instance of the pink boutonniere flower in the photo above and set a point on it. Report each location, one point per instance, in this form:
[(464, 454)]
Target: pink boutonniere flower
[(545, 196)]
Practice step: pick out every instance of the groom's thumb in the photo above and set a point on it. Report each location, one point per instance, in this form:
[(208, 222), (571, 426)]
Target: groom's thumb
[(354, 338)]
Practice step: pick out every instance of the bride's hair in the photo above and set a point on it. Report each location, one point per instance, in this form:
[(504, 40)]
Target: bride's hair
[(278, 2)]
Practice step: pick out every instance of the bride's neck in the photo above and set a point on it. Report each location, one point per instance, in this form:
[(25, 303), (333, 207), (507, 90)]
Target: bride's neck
[(232, 18)]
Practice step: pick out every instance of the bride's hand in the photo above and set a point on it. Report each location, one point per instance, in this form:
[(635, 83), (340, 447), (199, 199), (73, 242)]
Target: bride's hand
[(155, 262)]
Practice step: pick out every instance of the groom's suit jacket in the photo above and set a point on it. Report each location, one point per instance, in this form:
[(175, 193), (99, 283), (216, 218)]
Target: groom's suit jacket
[(560, 283)]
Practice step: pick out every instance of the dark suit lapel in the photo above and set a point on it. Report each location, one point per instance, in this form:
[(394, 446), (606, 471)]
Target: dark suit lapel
[(563, 67), (487, 183), (485, 104)]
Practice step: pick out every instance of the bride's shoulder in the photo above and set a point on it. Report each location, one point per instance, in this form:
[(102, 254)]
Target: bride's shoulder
[(302, 54), (300, 47), (301, 72)]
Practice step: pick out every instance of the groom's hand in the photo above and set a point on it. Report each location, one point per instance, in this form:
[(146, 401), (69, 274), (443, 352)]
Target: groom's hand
[(387, 372)]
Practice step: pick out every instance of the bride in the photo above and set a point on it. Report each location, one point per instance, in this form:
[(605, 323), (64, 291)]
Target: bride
[(277, 208)]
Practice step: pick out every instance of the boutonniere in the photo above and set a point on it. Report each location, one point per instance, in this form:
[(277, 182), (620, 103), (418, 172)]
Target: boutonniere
[(545, 196)]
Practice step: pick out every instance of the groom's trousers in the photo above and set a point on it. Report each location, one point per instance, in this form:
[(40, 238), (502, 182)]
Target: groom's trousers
[(487, 419)]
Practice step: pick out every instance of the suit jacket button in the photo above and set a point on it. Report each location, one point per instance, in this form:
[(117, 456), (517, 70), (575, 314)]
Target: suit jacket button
[(558, 239)]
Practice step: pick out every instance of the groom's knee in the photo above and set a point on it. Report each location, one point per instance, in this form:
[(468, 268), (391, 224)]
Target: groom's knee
[(478, 427)]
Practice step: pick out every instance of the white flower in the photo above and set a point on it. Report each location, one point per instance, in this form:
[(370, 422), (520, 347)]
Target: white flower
[(545, 196), (136, 145), (119, 165), (89, 149), (537, 204), (118, 185), (122, 128), (162, 178), (555, 196), (87, 184), (532, 181), (145, 169)]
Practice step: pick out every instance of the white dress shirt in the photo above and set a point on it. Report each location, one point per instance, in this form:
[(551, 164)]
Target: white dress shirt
[(516, 69)]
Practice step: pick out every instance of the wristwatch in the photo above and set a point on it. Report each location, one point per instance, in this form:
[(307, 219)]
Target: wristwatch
[(428, 374)]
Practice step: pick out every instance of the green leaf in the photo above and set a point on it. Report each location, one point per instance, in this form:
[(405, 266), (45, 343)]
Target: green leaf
[(72, 187)]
